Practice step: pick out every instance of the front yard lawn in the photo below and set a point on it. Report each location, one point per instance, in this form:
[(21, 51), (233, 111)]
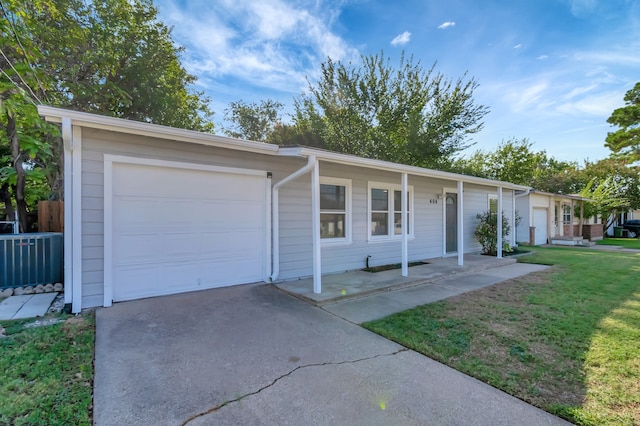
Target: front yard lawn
[(565, 339), (47, 371), (632, 243)]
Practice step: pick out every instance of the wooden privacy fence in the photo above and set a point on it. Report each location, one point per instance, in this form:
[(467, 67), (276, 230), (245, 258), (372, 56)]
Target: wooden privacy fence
[(51, 216)]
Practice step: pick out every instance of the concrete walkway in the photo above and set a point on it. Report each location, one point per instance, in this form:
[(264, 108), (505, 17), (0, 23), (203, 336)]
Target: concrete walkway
[(382, 304), (253, 355), (358, 283), (26, 306)]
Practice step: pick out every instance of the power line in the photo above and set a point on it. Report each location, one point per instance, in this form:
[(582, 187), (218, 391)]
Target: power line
[(18, 86), (26, 56), (21, 79)]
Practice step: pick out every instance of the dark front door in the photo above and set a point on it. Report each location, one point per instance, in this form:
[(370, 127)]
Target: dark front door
[(451, 230)]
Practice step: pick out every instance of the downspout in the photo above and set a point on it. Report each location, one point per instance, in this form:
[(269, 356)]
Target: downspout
[(499, 225), (275, 215)]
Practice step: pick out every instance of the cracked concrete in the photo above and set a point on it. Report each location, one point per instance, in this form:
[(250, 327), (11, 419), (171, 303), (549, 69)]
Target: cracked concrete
[(252, 355), (352, 361)]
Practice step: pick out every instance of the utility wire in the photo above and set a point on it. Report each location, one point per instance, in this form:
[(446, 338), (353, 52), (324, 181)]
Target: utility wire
[(26, 56), (21, 79), (18, 86)]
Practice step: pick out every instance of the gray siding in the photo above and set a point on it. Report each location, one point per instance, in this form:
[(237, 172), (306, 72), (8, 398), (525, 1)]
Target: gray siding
[(96, 143), (295, 207)]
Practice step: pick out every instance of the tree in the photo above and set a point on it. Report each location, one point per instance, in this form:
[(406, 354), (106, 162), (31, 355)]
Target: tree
[(407, 115), (607, 199), (253, 121), (111, 57), (625, 142), (515, 161)]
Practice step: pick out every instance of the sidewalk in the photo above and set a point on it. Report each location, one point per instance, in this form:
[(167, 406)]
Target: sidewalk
[(382, 304)]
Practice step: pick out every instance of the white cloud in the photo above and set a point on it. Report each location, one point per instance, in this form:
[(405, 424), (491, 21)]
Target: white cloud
[(542, 57), (517, 46), (446, 25), (401, 39), (600, 104), (270, 44), (525, 96)]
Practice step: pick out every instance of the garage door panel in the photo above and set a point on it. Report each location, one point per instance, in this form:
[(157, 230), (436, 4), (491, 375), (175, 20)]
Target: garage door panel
[(177, 230), (540, 220)]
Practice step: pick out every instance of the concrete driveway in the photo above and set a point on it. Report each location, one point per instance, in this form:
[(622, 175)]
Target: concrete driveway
[(252, 355)]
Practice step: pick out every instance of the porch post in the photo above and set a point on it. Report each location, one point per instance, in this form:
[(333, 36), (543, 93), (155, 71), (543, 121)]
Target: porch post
[(571, 220), (513, 218), (581, 218), (315, 227), (499, 225), (460, 223), (404, 228)]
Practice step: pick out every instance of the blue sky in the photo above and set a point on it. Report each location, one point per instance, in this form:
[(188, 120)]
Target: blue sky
[(551, 71)]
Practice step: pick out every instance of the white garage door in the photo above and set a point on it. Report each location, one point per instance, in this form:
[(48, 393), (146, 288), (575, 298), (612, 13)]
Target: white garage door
[(177, 230), (540, 222)]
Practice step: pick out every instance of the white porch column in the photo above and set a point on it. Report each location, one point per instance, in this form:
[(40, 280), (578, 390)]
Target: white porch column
[(513, 218), (499, 225), (405, 227), (315, 227), (67, 139), (460, 223)]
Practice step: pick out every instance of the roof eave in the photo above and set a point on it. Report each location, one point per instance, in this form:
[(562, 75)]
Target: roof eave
[(353, 160), (94, 121)]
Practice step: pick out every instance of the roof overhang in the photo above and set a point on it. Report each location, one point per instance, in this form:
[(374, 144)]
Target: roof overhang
[(556, 195), (94, 121), (352, 160)]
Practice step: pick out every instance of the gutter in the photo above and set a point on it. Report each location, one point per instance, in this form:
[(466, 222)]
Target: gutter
[(275, 215)]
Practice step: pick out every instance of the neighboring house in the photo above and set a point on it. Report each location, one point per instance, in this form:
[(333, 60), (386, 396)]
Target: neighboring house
[(553, 218), (620, 219), (152, 210)]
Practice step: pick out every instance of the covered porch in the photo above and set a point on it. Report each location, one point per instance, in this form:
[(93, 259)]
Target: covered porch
[(359, 283)]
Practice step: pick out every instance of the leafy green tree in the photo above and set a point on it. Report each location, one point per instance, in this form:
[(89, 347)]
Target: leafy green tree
[(607, 200), (625, 142), (407, 114), (515, 161), (111, 57), (253, 121)]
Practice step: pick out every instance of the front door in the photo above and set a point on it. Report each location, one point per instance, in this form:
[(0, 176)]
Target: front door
[(451, 201)]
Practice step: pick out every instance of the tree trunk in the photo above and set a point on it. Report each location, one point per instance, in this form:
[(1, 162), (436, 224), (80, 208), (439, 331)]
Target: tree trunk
[(21, 205), (5, 197)]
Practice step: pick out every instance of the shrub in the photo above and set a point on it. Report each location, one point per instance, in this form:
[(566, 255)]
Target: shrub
[(487, 232)]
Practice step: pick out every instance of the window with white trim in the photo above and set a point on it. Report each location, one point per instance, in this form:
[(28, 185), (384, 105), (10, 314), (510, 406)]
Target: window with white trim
[(385, 210), (493, 203), (335, 209), (566, 213)]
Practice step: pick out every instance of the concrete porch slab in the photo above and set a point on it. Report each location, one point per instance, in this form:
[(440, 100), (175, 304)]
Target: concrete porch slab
[(355, 284), (26, 306)]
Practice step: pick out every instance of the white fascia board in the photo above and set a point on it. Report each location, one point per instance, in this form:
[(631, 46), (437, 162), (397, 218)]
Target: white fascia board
[(353, 160), (566, 196), (94, 121)]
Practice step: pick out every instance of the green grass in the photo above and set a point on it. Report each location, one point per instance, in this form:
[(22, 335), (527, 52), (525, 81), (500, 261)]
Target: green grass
[(47, 372), (565, 339), (632, 243)]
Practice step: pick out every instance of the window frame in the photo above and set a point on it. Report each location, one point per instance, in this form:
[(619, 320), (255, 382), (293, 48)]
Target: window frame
[(346, 183), (564, 214), (492, 197), (391, 235)]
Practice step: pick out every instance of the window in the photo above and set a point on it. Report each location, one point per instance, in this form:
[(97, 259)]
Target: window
[(385, 210), (493, 203), (566, 213), (335, 209)]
